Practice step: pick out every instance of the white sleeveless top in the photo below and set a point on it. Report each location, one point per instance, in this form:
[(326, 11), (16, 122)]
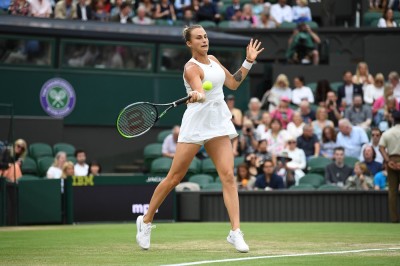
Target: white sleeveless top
[(212, 118)]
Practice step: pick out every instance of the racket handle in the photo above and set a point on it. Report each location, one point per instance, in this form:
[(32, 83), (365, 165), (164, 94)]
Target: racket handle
[(181, 101)]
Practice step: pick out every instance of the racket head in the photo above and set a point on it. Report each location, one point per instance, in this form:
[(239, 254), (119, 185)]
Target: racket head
[(136, 119)]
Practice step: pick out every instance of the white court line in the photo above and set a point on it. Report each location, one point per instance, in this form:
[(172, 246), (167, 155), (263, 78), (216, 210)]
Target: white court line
[(283, 256)]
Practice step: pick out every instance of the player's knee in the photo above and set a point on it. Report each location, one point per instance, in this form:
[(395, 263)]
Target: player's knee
[(227, 177), (174, 179)]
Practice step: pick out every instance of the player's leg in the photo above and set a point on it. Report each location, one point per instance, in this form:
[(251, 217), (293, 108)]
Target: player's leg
[(220, 151)]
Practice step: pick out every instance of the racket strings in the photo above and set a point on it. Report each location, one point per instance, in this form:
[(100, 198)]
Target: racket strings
[(137, 119)]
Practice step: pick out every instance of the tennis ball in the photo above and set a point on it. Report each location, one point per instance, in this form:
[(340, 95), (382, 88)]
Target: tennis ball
[(207, 85)]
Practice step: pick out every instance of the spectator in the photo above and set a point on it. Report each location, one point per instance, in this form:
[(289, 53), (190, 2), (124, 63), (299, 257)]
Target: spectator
[(374, 143), (295, 127), (248, 139), (362, 76), (380, 108), (264, 126), (257, 7), (281, 12), (283, 171), (254, 112), (276, 137), (387, 19), (360, 180), (262, 152), (94, 168), (83, 11), (395, 82), (298, 161), (55, 170), (11, 160), (81, 168), (238, 22), (380, 180), (65, 9), (332, 109), (267, 21), (253, 163), (300, 92), (321, 93), (237, 116), (309, 142), (116, 8), (393, 4), (247, 15), (181, 6), (283, 113), (141, 18), (269, 180), (20, 152), (169, 144), (41, 8), (231, 10), (150, 8), (67, 170), (321, 122), (328, 142), (337, 172), (348, 90), (359, 114), (123, 16), (271, 98), (303, 46), (306, 112), (301, 12), (188, 18), (4, 5), (370, 160), (351, 137), (373, 91), (244, 180), (19, 8), (208, 11)]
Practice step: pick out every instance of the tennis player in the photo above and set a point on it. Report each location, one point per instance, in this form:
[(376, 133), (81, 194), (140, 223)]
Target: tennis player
[(207, 121)]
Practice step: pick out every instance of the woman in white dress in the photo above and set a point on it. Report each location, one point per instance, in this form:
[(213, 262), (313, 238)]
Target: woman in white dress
[(207, 121)]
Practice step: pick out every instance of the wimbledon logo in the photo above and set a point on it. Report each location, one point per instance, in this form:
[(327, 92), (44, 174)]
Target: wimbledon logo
[(57, 97)]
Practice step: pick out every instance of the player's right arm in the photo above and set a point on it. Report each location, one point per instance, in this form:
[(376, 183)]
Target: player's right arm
[(193, 75)]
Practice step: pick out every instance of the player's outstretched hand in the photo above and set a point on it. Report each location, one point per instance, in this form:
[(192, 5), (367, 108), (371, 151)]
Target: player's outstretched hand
[(253, 50)]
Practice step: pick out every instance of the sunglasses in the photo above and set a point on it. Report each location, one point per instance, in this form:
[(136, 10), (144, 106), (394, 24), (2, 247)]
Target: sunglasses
[(21, 147)]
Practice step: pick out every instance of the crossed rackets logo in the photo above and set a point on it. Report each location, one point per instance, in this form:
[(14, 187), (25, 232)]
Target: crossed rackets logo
[(57, 97)]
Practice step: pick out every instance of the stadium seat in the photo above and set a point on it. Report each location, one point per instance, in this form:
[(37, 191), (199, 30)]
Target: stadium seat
[(224, 24), (238, 160), (29, 177), (38, 150), (315, 180), (350, 161), (317, 165), (151, 151), (330, 187), (44, 164), (335, 85), (163, 134), (217, 179), (312, 24), (201, 179), (163, 22), (161, 166), (374, 23), (194, 167), (312, 86), (65, 147), (207, 24), (288, 25), (369, 16), (29, 166), (213, 187), (208, 167), (302, 187), (71, 159)]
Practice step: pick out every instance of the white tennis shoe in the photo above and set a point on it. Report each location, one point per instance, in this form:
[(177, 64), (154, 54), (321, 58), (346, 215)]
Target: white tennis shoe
[(237, 240), (143, 233)]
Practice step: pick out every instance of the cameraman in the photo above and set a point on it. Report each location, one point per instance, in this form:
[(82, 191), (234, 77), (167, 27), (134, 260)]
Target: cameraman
[(303, 46), (248, 139), (332, 109)]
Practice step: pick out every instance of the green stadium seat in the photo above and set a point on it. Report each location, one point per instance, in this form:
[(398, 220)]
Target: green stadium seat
[(350, 161), (163, 22), (207, 24), (224, 24), (312, 86), (288, 25), (213, 187), (161, 166), (238, 160), (374, 23), (218, 179), (208, 167), (312, 24), (163, 134), (29, 166), (302, 187), (71, 159), (329, 187), (44, 164), (335, 85), (315, 180), (317, 165), (28, 177), (201, 179), (37, 150), (194, 167), (69, 149), (369, 16), (151, 151)]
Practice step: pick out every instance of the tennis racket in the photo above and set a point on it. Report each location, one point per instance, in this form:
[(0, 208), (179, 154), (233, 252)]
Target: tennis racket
[(137, 118)]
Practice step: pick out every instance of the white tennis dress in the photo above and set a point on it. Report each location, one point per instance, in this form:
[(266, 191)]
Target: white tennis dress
[(211, 118)]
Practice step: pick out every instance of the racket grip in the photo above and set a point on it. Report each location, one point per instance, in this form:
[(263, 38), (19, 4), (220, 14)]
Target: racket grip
[(181, 101)]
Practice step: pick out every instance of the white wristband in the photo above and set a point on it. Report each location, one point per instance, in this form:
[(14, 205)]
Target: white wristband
[(247, 65)]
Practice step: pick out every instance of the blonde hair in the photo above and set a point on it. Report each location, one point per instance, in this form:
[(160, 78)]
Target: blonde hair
[(23, 144), (304, 2), (318, 112), (64, 168), (281, 78), (363, 167), (358, 69), (187, 31), (57, 157)]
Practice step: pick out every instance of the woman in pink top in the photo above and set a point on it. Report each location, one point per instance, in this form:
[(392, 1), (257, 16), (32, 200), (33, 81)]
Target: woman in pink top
[(379, 108)]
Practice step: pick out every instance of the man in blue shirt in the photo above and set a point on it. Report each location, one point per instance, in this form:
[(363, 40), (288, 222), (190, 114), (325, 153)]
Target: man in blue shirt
[(369, 160), (351, 138), (269, 180)]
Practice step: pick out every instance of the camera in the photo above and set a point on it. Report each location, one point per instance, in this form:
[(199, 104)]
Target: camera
[(248, 130), (5, 156)]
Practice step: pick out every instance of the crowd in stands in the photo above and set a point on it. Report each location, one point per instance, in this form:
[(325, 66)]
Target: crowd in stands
[(290, 127), (234, 13)]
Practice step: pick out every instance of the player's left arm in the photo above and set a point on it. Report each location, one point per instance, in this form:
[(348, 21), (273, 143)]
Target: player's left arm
[(233, 81)]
